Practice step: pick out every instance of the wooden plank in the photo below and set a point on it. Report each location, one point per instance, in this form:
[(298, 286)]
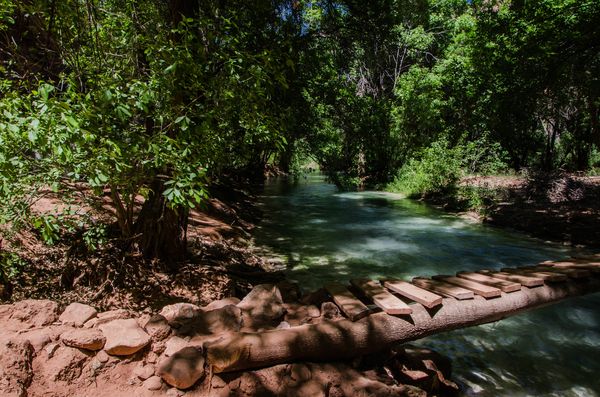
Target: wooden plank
[(593, 267), (419, 295), (548, 277), (381, 297), (505, 286), (353, 308), (573, 273), (480, 289), (527, 281), (443, 288)]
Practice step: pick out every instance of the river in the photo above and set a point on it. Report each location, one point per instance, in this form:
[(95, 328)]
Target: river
[(323, 235)]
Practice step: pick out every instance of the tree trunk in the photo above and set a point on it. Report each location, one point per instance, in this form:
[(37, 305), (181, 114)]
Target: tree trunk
[(335, 340), (162, 229)]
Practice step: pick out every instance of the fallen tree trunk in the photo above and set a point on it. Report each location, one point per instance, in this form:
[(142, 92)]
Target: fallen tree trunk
[(345, 339)]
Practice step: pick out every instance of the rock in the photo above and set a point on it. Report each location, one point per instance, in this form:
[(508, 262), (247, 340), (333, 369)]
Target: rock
[(16, 370), (180, 313), (102, 357), (262, 305), (218, 321), (329, 310), (290, 291), (300, 372), (124, 337), (32, 313), (106, 317), (316, 297), (38, 338), (51, 349), (173, 392), (152, 358), (144, 372), (173, 345), (313, 311), (284, 325), (221, 303), (153, 383), (87, 338), (77, 314), (157, 327), (66, 364), (184, 368)]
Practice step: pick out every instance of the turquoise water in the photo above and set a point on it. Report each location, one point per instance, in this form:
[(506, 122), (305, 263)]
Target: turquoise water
[(322, 235)]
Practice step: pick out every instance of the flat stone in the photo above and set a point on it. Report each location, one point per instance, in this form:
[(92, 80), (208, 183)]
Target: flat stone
[(144, 372), (157, 327), (77, 314), (106, 317), (180, 313), (153, 383), (38, 338), (173, 345), (263, 301), (124, 337), (86, 338), (184, 368)]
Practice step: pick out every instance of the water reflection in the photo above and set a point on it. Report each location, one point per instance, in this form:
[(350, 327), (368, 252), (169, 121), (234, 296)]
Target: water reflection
[(323, 236)]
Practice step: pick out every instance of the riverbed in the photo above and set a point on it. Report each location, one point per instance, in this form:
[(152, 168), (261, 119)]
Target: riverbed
[(320, 235)]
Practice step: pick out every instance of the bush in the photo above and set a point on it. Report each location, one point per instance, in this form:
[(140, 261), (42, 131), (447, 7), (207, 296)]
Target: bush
[(435, 172)]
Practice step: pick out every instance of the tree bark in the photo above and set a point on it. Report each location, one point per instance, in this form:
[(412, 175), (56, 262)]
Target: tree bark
[(162, 229), (335, 340)]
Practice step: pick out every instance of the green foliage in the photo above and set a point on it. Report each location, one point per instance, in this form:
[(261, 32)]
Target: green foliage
[(435, 172), (11, 265)]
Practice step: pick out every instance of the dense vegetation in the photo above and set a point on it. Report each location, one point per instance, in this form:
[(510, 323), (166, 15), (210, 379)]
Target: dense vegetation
[(136, 98)]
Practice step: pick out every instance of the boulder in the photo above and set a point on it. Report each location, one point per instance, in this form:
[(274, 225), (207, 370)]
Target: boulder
[(184, 368), (221, 303), (16, 370), (218, 321), (77, 314), (262, 306), (157, 327), (330, 311), (180, 313), (86, 338), (124, 337), (173, 345), (32, 313)]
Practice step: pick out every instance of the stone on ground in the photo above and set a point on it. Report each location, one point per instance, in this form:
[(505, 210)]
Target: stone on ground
[(108, 316), (173, 345), (262, 305), (157, 327), (221, 303), (153, 383), (28, 313), (77, 314), (180, 313), (218, 321), (184, 368), (86, 338), (144, 372), (124, 337), (16, 371)]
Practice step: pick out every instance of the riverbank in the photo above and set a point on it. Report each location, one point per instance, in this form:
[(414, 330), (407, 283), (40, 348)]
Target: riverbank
[(558, 207)]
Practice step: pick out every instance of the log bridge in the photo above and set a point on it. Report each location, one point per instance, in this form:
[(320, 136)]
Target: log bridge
[(389, 311)]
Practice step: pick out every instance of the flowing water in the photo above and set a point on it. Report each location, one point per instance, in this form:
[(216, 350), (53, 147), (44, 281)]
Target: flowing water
[(323, 235)]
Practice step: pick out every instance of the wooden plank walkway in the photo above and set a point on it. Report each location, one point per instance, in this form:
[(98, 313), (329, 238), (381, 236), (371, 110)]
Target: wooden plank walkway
[(420, 295), (381, 297), (429, 292), (505, 286), (443, 288), (352, 307), (480, 289)]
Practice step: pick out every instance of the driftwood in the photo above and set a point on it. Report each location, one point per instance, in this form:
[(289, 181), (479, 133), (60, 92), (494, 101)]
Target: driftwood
[(334, 340)]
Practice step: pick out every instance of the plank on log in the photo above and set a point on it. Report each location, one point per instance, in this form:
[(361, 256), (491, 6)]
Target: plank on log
[(443, 288), (573, 273), (591, 266), (505, 286), (353, 308), (527, 281), (343, 339), (419, 295), (480, 289), (381, 297), (548, 277)]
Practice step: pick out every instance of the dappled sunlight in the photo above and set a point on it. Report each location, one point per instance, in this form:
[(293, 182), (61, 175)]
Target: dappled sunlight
[(326, 236)]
